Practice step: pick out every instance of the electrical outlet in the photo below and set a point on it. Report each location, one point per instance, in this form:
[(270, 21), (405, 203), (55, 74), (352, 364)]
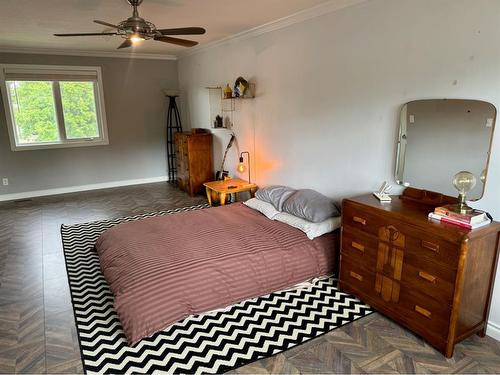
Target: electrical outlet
[(5, 181)]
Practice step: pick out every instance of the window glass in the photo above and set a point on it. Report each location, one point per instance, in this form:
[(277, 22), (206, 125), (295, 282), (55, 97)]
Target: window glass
[(79, 109), (34, 111)]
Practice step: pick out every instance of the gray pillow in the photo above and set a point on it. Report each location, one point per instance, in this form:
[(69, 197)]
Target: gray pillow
[(310, 205), (275, 194)]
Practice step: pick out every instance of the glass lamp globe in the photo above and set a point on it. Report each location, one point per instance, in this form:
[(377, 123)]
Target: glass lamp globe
[(464, 182), (241, 166)]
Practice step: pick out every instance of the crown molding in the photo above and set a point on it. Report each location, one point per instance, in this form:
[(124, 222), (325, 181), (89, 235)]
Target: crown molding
[(304, 15), (121, 55)]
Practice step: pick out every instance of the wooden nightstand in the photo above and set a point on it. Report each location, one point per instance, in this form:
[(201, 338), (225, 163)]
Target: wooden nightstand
[(230, 186)]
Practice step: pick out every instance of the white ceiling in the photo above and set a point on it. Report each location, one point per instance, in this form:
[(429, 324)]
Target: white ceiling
[(31, 23)]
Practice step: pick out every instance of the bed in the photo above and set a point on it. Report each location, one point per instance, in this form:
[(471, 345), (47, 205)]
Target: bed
[(163, 269)]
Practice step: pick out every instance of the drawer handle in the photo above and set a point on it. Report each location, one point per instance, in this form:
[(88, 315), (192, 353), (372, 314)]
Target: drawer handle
[(431, 246), (423, 311), (359, 220), (356, 276), (358, 246), (427, 276)]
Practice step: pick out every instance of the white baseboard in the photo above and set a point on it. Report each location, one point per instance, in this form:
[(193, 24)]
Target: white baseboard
[(493, 330), (75, 189)]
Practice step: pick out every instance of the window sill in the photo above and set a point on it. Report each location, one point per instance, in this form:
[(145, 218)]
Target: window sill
[(43, 146)]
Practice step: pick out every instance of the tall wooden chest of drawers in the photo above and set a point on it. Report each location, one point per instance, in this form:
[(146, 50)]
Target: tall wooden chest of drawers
[(434, 278), (194, 161)]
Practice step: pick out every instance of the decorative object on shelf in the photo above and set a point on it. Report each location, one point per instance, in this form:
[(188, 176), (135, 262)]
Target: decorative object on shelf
[(464, 182), (241, 165), (215, 96), (174, 125), (218, 123), (221, 174), (228, 93), (240, 87)]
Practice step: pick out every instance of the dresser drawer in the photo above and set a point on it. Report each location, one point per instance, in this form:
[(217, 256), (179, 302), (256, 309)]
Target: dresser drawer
[(430, 278), (438, 284), (428, 316), (359, 246), (358, 218), (352, 273), (418, 243), (425, 315), (422, 246)]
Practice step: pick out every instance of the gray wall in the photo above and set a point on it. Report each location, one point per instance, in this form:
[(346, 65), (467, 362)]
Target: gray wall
[(135, 109)]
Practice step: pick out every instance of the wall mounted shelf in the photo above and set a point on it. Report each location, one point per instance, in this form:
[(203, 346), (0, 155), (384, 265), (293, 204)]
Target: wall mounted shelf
[(224, 107)]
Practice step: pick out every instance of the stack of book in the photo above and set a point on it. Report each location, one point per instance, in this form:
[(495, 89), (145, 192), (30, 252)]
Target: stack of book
[(473, 220)]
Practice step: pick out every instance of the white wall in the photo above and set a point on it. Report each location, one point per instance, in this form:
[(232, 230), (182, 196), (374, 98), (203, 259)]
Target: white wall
[(329, 90)]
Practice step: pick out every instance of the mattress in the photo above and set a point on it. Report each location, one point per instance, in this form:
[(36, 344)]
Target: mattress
[(163, 269)]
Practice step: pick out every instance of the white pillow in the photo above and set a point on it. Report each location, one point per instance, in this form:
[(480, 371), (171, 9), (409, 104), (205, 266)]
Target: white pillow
[(312, 230), (264, 208)]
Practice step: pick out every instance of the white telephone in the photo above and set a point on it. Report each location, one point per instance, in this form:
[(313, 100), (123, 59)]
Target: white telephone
[(382, 193)]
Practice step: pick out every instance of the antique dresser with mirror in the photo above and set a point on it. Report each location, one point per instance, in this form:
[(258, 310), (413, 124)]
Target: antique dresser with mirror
[(432, 277)]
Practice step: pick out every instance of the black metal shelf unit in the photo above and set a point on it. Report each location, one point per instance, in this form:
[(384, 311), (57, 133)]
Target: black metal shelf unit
[(174, 125)]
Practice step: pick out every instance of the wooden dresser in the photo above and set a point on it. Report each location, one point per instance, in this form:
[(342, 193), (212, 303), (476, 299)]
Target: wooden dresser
[(434, 278), (194, 161)]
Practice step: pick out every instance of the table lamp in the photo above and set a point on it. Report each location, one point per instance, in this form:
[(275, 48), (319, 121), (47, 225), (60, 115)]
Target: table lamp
[(241, 165), (464, 182)]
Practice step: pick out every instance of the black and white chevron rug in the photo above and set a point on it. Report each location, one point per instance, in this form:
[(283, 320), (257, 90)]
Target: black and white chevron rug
[(213, 342)]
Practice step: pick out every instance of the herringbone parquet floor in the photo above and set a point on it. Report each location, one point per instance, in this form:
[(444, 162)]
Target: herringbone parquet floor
[(37, 332)]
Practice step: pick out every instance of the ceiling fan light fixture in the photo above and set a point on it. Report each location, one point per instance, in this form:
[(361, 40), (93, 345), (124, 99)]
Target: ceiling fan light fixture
[(136, 38), (136, 29)]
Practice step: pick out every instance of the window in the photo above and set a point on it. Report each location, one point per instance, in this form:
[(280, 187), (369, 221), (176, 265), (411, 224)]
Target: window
[(53, 106)]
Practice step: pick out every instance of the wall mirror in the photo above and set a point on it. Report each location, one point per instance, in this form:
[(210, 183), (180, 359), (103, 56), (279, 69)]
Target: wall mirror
[(440, 137)]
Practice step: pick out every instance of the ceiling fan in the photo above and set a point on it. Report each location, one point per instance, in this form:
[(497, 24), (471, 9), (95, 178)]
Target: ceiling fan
[(136, 29)]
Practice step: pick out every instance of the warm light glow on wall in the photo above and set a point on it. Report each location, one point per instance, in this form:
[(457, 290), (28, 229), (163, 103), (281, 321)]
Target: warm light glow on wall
[(266, 165)]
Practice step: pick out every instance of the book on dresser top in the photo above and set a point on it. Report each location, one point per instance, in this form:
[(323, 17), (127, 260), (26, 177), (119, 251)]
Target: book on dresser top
[(451, 220), (475, 217)]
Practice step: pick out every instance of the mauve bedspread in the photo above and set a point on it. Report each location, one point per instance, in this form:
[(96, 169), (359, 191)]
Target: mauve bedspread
[(165, 268)]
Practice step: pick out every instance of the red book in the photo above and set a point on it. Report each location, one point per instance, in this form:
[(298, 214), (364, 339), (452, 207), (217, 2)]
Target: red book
[(475, 217), (449, 220)]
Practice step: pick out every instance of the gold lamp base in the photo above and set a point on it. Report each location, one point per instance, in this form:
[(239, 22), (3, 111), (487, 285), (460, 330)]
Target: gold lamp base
[(461, 207)]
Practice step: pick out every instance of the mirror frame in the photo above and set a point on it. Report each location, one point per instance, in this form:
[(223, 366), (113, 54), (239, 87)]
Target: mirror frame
[(399, 170)]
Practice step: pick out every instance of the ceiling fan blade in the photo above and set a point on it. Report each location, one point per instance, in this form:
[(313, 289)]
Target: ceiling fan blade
[(183, 31), (106, 24), (127, 43), (86, 34), (180, 42)]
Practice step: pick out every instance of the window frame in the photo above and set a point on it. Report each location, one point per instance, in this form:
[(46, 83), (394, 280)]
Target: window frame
[(64, 142)]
